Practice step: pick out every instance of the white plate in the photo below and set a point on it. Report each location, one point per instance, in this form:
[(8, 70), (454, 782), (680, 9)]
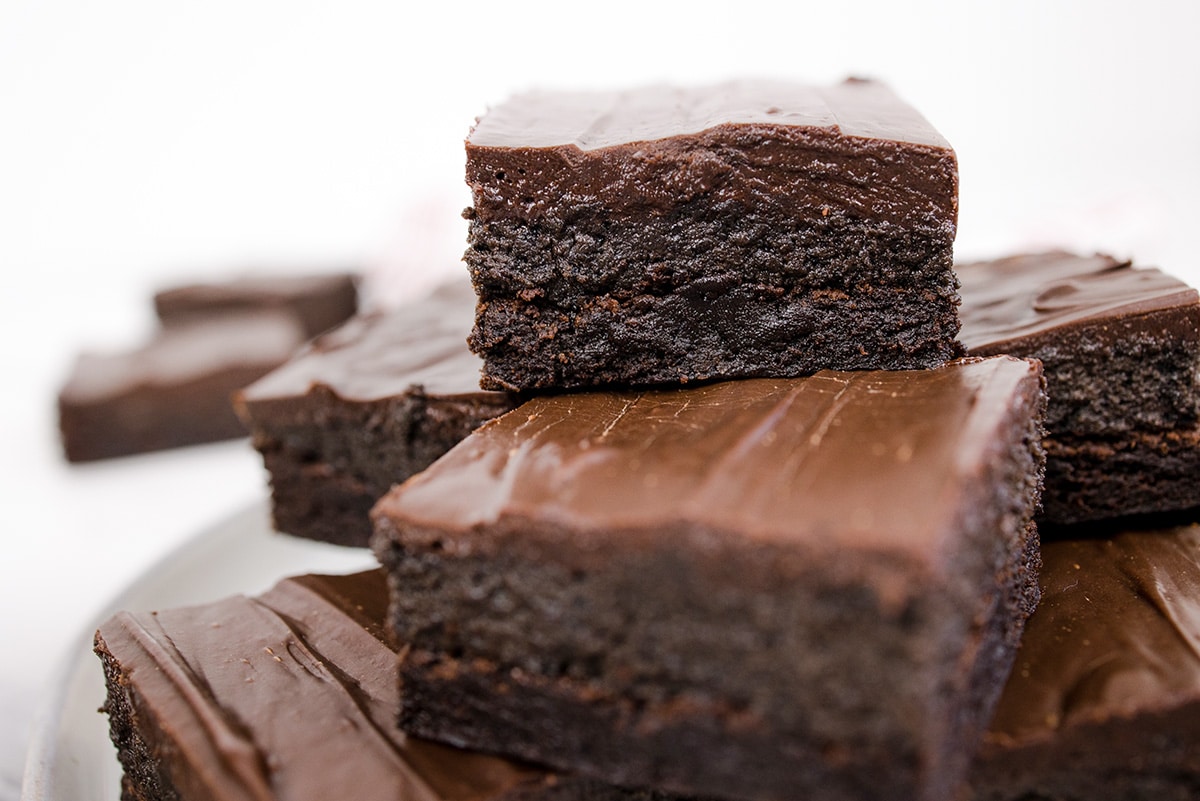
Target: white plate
[(70, 755)]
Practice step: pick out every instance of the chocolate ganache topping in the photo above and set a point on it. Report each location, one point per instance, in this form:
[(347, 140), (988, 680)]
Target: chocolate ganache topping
[(379, 355), (1117, 633), (852, 148), (747, 456), (1030, 295)]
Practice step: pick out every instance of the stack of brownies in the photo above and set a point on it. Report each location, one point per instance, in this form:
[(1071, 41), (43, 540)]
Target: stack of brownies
[(744, 522)]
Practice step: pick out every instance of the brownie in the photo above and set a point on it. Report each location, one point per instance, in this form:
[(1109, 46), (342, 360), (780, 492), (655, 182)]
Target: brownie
[(288, 696), (1120, 344), (753, 228), (319, 301), (760, 589), (1104, 698), (364, 407), (175, 390), (1121, 350)]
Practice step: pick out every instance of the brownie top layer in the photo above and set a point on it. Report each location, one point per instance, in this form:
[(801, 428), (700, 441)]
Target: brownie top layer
[(810, 151), (384, 354), (865, 109), (293, 696), (186, 352), (1117, 633), (1010, 299), (840, 460)]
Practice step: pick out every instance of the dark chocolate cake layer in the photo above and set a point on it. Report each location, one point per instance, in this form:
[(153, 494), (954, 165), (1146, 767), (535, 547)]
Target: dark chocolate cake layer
[(364, 407), (1120, 345), (759, 589), (1104, 698), (176, 390), (665, 235), (319, 301), (290, 696)]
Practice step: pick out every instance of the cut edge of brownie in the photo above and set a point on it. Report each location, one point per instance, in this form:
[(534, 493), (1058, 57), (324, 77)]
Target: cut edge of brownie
[(701, 295)]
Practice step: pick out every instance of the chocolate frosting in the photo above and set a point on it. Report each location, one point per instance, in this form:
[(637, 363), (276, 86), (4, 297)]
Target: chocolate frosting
[(778, 461), (1117, 634), (1012, 299), (854, 148), (593, 120), (293, 696), (380, 355)]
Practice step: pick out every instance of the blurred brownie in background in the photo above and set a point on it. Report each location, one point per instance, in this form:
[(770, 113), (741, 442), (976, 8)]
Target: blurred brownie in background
[(176, 389), (173, 391), (319, 302)]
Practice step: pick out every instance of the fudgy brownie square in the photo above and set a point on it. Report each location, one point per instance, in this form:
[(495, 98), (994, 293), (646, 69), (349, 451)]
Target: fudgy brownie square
[(289, 696), (319, 301), (1104, 697), (753, 228), (173, 391), (1120, 344), (362, 408), (761, 589), (1121, 350)]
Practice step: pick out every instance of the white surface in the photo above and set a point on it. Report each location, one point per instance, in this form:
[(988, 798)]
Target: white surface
[(70, 756), (143, 142)]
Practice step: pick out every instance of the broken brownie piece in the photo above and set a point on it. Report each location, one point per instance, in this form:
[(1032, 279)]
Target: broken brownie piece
[(175, 390), (1104, 697), (760, 589), (319, 301), (1121, 350), (666, 235), (288, 696), (364, 407)]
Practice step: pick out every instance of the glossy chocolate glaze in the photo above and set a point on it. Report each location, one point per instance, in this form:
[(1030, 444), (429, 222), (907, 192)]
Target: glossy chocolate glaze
[(852, 148), (1012, 300), (385, 354), (291, 695), (746, 456), (1117, 635)]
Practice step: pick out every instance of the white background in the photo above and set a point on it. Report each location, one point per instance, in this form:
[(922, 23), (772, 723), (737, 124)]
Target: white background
[(148, 142)]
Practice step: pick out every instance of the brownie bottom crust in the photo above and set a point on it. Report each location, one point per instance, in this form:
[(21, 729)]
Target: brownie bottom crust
[(330, 459), (1139, 473), (705, 293)]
